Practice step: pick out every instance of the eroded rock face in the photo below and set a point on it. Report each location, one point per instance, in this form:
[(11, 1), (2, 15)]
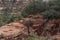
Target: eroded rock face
[(50, 28), (12, 31), (45, 27)]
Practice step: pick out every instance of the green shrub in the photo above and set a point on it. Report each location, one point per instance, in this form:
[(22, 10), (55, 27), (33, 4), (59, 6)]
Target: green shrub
[(54, 4), (15, 17), (5, 19), (24, 14), (39, 6), (52, 9), (28, 24), (6, 11), (33, 8), (51, 14)]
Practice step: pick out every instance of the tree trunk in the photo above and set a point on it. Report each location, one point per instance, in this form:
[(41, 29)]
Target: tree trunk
[(28, 30)]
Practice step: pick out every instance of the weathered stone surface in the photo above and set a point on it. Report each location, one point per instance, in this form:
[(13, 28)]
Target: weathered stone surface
[(12, 29)]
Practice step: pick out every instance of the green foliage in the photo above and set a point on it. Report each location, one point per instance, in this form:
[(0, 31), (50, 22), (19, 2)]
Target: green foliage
[(6, 11), (28, 23), (4, 19), (16, 17), (51, 14), (24, 14), (39, 6), (33, 8), (52, 9), (54, 4)]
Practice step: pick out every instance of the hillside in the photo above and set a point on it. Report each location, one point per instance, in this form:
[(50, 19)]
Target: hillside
[(17, 28), (32, 20)]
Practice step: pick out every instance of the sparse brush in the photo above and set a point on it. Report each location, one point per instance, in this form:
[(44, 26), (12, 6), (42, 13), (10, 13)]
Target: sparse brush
[(36, 37)]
